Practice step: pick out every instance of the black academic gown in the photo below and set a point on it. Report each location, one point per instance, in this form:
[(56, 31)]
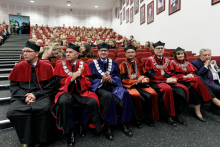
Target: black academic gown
[(34, 122)]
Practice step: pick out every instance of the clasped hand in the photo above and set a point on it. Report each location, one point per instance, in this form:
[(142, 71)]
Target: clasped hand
[(106, 78), (171, 80), (30, 98), (142, 80), (77, 74), (188, 76)]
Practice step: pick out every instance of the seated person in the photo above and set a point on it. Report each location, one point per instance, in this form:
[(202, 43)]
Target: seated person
[(173, 97), (72, 77), (113, 44), (147, 44), (138, 45), (57, 51), (144, 97), (125, 43), (31, 85), (107, 85), (199, 91), (89, 40), (131, 38), (208, 69), (86, 51), (45, 53)]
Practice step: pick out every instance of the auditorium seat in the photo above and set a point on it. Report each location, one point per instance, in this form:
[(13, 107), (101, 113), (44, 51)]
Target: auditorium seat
[(89, 61), (141, 50), (190, 59), (142, 46), (95, 50), (121, 50), (121, 55), (144, 54), (166, 54), (120, 60)]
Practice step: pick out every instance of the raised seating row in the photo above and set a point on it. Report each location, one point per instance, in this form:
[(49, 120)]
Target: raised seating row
[(54, 61)]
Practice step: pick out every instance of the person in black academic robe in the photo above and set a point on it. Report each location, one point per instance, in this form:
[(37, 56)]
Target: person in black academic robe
[(31, 85), (74, 102), (173, 97)]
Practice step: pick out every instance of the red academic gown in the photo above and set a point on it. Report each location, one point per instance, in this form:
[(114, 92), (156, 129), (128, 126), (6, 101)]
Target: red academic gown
[(130, 84), (158, 72), (196, 83), (81, 87)]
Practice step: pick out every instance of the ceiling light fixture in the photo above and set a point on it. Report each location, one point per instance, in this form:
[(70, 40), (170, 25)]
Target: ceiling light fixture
[(96, 6), (69, 3), (32, 1)]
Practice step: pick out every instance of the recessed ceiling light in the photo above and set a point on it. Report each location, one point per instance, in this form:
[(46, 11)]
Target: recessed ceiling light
[(32, 1), (96, 6), (68, 3)]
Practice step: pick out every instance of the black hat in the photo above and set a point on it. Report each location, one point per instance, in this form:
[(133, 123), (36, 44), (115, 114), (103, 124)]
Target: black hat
[(130, 47), (73, 46), (178, 49), (159, 43), (32, 45), (103, 45)]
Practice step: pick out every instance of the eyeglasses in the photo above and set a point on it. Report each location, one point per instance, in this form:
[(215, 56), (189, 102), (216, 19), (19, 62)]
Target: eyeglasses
[(130, 52), (160, 48), (103, 51), (27, 52)]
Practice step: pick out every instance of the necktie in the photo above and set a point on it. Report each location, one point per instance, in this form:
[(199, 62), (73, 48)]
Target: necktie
[(133, 67), (210, 75), (73, 67), (104, 62)]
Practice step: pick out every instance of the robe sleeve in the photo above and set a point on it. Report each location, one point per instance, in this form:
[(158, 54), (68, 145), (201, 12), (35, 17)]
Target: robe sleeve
[(200, 70), (47, 89), (17, 91)]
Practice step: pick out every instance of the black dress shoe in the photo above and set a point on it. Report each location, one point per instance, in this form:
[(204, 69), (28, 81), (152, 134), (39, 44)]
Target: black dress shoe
[(126, 130), (71, 138), (150, 123), (180, 119), (108, 133), (138, 124), (82, 131), (171, 121), (199, 118)]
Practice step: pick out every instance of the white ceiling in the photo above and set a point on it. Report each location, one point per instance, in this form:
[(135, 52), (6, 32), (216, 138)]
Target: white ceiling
[(82, 4)]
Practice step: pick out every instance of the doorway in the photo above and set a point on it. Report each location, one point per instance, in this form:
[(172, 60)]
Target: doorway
[(21, 24)]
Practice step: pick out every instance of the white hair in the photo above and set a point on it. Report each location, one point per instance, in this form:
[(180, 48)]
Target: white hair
[(203, 50)]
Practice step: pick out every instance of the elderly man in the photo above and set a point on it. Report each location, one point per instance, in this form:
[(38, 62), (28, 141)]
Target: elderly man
[(173, 97), (108, 86), (31, 85), (209, 70), (73, 79), (144, 97)]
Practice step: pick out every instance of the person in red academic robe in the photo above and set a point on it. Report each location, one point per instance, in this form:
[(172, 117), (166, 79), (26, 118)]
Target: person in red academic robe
[(199, 91), (73, 99), (173, 97), (144, 97), (31, 85)]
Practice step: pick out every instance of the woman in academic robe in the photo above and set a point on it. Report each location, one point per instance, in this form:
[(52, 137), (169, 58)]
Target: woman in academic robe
[(199, 91)]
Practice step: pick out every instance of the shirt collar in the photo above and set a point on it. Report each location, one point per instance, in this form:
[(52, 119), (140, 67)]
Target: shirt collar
[(104, 60), (74, 63), (160, 58), (34, 64)]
